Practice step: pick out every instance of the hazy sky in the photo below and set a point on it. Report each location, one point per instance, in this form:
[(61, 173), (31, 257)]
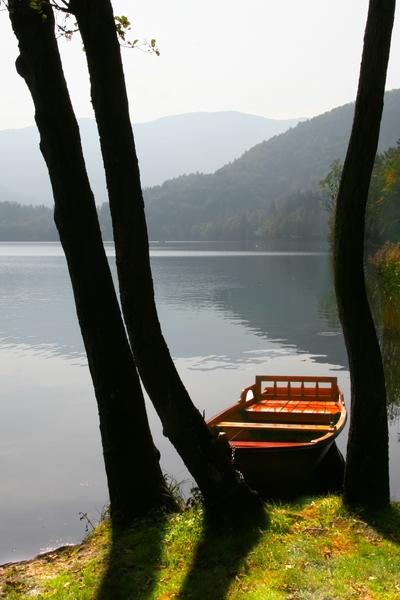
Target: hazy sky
[(275, 59)]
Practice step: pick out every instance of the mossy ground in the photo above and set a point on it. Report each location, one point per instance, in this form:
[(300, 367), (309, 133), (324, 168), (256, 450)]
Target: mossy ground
[(312, 549)]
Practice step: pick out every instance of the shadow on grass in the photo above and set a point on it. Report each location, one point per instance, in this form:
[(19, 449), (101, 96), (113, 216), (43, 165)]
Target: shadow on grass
[(219, 559), (134, 560), (386, 522), (135, 569)]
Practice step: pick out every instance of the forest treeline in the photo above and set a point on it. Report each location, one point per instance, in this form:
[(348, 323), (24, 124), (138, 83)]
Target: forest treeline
[(26, 223), (271, 192), (382, 219), (300, 215)]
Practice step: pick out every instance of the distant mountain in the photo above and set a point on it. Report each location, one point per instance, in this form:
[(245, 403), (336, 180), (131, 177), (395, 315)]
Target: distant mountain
[(167, 148), (203, 142), (271, 191), (240, 198)]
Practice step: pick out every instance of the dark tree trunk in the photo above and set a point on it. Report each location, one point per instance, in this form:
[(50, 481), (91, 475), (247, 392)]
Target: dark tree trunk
[(182, 422), (135, 481), (367, 475)]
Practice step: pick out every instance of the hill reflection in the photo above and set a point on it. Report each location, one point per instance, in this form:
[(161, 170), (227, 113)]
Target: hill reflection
[(282, 295)]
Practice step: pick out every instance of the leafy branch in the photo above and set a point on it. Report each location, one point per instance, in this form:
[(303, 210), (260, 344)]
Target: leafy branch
[(64, 29), (122, 25)]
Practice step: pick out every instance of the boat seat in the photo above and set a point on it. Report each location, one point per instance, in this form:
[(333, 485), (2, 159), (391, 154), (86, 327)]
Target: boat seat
[(293, 411), (288, 404), (301, 388), (276, 426)]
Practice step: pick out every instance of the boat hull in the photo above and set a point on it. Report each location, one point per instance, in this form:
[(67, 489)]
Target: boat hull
[(282, 439), (288, 472)]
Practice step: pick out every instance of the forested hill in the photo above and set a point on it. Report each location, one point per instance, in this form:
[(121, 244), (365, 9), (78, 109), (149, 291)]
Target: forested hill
[(272, 190), (25, 223), (167, 147)]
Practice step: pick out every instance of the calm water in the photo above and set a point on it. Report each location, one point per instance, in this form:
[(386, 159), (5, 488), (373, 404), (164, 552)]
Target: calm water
[(228, 313)]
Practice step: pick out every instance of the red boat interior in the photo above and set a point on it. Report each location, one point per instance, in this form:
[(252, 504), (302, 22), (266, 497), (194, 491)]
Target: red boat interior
[(283, 410)]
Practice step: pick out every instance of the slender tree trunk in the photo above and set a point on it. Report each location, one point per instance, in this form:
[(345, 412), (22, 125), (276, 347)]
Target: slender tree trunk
[(182, 422), (367, 475), (134, 477)]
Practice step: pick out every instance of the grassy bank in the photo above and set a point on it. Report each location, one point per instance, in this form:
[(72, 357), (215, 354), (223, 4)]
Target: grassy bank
[(313, 549)]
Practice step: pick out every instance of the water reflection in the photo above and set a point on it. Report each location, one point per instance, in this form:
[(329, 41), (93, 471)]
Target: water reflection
[(49, 447), (390, 347), (37, 307), (275, 296)]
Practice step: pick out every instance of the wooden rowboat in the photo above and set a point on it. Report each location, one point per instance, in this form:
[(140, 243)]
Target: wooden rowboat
[(281, 434)]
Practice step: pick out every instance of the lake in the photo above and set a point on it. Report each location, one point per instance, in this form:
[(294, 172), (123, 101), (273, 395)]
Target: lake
[(228, 312)]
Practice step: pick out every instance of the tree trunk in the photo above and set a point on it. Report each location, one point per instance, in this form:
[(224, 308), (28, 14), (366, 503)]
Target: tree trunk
[(367, 471), (182, 422), (135, 481)]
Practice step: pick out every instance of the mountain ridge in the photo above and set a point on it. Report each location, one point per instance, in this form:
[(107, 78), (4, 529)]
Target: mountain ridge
[(167, 148), (237, 199)]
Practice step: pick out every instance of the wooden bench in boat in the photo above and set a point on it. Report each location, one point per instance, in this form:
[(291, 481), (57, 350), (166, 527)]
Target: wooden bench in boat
[(291, 399), (277, 426), (294, 387), (294, 416)]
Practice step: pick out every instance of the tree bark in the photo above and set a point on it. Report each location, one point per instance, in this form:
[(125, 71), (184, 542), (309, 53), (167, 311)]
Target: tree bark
[(182, 422), (135, 481), (367, 471)]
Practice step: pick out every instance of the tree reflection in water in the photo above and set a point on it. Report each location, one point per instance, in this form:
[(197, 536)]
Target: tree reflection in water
[(385, 309), (383, 277), (390, 347)]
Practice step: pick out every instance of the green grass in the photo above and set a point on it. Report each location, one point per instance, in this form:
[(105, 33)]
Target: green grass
[(313, 549)]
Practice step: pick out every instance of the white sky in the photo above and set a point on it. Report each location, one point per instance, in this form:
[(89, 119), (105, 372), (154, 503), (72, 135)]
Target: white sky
[(279, 60)]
